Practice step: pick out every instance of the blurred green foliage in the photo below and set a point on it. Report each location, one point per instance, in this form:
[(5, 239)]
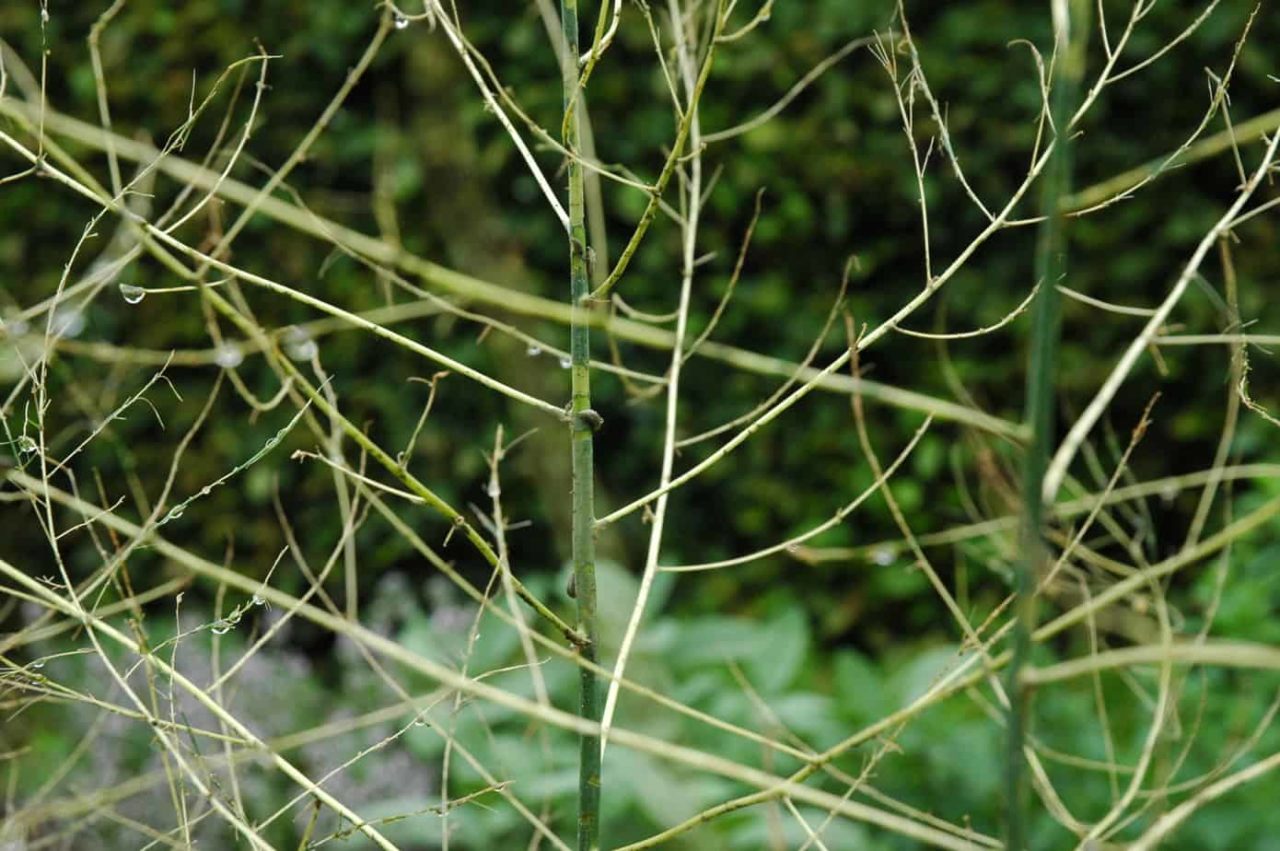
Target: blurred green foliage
[(830, 646)]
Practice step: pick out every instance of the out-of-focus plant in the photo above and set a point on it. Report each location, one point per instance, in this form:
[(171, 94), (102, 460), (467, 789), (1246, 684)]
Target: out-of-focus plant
[(268, 371)]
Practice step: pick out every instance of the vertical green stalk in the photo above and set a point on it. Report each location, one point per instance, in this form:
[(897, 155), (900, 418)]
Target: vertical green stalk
[(1051, 258), (582, 423)]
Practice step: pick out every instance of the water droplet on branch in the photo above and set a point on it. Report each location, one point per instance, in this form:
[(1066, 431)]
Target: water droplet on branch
[(298, 345), (228, 356), (132, 294), (16, 327), (68, 322)]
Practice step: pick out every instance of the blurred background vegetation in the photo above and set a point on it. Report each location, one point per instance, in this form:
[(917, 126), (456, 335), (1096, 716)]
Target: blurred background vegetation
[(413, 157)]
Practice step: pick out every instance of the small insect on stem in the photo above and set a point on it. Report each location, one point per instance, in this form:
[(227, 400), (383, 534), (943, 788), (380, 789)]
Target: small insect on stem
[(588, 419)]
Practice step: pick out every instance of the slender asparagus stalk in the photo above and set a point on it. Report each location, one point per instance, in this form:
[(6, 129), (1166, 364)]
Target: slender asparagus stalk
[(1070, 23), (582, 423)]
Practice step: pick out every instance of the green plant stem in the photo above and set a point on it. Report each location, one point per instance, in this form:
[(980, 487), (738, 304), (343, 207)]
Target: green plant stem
[(1050, 268), (582, 424)]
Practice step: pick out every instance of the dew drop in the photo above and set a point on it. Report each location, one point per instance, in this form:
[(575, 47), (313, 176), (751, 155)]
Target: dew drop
[(68, 322), (221, 628), (175, 513), (228, 356), (533, 351), (400, 21), (303, 351), (565, 363), (883, 556), (16, 327), (37, 664), (132, 294), (257, 601), (27, 445), (494, 490), (298, 344)]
